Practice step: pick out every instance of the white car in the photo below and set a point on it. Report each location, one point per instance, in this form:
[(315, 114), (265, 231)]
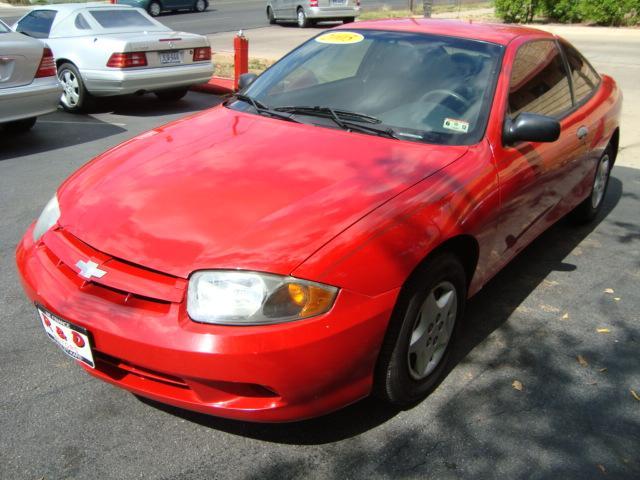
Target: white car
[(105, 50), (28, 83)]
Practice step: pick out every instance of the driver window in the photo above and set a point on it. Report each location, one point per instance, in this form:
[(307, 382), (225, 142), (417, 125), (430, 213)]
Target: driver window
[(539, 81)]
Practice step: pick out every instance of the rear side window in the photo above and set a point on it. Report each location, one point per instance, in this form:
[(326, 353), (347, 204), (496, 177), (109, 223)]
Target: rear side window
[(81, 23), (37, 24), (584, 77), (539, 81), (120, 18), (3, 28)]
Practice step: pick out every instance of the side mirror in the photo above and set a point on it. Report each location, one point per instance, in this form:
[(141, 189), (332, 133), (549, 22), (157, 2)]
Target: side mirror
[(245, 80), (530, 127)]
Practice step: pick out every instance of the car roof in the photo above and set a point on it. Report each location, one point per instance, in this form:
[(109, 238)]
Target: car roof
[(488, 32), (72, 7)]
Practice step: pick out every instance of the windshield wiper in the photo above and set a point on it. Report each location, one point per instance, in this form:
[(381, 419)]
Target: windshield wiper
[(262, 109), (329, 112)]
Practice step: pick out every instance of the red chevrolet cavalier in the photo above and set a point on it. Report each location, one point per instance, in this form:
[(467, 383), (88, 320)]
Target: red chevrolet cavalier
[(315, 238)]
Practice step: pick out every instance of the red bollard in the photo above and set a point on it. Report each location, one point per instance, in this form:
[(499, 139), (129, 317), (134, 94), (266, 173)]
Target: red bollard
[(113, 1), (241, 56)]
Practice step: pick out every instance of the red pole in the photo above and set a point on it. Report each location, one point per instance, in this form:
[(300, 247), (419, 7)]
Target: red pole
[(241, 56)]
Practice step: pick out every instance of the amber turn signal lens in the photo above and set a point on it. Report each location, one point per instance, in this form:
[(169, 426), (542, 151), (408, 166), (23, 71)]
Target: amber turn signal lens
[(319, 300), (298, 294)]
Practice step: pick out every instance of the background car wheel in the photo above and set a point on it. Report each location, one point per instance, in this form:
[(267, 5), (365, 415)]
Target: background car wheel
[(421, 332), (349, 20), (172, 95), (154, 9), (303, 21), (271, 16), (589, 208), (200, 6), (19, 126), (75, 97)]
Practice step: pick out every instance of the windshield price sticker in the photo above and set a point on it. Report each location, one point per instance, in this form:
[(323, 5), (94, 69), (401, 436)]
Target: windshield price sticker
[(340, 38), (456, 125)]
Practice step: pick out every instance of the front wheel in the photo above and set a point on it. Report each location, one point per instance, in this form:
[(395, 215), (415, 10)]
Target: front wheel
[(172, 95), (75, 97), (589, 208), (200, 6), (20, 126), (154, 9), (421, 332), (303, 21)]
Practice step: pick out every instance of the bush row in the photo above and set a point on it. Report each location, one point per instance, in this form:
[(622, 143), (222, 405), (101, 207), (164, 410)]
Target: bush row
[(602, 12)]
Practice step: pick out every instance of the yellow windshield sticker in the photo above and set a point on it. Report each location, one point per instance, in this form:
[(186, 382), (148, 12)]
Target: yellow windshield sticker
[(340, 38)]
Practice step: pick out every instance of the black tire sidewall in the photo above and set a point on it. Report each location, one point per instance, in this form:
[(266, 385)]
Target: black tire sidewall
[(585, 212), (393, 381)]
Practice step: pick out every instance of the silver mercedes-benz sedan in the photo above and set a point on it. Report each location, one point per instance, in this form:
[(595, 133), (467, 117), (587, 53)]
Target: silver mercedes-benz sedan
[(307, 12), (28, 83), (106, 50)]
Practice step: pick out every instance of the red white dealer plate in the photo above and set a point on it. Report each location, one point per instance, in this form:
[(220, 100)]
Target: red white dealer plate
[(73, 340)]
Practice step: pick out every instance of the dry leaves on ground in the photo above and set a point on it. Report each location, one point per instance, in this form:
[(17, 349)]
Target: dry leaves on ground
[(517, 384), (565, 316), (582, 361), (601, 468), (635, 395), (608, 290), (603, 330)]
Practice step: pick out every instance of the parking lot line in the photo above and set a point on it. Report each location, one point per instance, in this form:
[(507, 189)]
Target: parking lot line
[(84, 123)]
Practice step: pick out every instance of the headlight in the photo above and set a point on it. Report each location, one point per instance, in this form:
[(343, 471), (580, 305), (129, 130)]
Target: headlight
[(47, 219), (247, 298)]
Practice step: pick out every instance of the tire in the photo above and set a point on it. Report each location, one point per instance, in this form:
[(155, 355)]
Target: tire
[(75, 97), (591, 206), (430, 307), (271, 16), (200, 6), (154, 9), (172, 95), (20, 126), (348, 20), (303, 21)]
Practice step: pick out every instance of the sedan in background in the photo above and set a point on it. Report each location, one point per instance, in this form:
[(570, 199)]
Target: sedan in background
[(315, 239), (29, 86), (307, 12), (156, 7), (106, 50)]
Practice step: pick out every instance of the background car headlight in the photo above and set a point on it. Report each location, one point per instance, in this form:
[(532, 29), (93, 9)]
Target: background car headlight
[(47, 219), (248, 298)]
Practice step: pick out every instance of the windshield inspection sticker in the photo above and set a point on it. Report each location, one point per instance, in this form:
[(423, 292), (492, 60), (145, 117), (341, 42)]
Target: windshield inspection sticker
[(340, 38), (456, 125)]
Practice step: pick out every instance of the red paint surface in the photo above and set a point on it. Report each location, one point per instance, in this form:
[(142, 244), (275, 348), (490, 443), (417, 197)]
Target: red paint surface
[(347, 209)]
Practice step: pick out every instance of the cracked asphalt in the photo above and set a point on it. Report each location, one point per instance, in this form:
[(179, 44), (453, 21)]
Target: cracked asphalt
[(530, 324)]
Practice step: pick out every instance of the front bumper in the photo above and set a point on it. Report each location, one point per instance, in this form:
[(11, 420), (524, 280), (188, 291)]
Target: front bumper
[(274, 373), (37, 98), (109, 82)]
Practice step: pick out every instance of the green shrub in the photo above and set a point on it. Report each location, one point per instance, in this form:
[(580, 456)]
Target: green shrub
[(611, 12), (565, 11), (516, 11)]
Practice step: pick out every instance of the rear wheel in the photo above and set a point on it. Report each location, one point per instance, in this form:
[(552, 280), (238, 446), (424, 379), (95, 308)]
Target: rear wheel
[(422, 330), (303, 21), (154, 9), (172, 95), (271, 16), (75, 97), (200, 6), (349, 20), (589, 208), (20, 126)]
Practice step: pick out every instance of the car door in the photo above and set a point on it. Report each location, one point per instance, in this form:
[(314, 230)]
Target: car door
[(36, 24), (533, 176)]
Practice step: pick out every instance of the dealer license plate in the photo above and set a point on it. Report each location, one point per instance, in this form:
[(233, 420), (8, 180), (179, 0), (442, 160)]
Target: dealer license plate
[(167, 58), (72, 339)]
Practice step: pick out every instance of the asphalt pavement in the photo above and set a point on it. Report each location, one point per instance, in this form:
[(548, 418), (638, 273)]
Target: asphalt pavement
[(571, 419)]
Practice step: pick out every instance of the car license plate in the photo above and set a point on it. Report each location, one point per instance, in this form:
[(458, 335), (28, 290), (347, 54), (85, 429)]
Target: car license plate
[(73, 340), (338, 2), (170, 57)]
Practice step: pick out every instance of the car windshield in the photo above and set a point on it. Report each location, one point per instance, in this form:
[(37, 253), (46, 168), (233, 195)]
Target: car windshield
[(419, 87), (120, 18)]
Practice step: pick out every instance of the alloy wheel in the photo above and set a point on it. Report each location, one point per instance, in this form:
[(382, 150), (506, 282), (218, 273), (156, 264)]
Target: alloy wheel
[(71, 89)]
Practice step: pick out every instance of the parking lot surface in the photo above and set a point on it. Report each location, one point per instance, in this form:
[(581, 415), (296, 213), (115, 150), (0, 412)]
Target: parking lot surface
[(574, 292)]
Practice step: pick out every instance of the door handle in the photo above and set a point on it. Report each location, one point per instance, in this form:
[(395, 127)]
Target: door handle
[(583, 132)]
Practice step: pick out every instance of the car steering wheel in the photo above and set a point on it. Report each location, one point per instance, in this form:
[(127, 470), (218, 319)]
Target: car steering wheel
[(443, 92)]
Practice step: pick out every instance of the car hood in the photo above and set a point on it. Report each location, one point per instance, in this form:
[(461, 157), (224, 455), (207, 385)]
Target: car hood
[(225, 189)]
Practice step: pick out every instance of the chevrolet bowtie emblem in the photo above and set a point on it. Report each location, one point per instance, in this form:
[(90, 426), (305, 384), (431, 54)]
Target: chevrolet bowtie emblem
[(90, 269)]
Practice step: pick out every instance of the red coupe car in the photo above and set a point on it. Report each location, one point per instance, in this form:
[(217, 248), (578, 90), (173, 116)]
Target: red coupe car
[(314, 239)]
